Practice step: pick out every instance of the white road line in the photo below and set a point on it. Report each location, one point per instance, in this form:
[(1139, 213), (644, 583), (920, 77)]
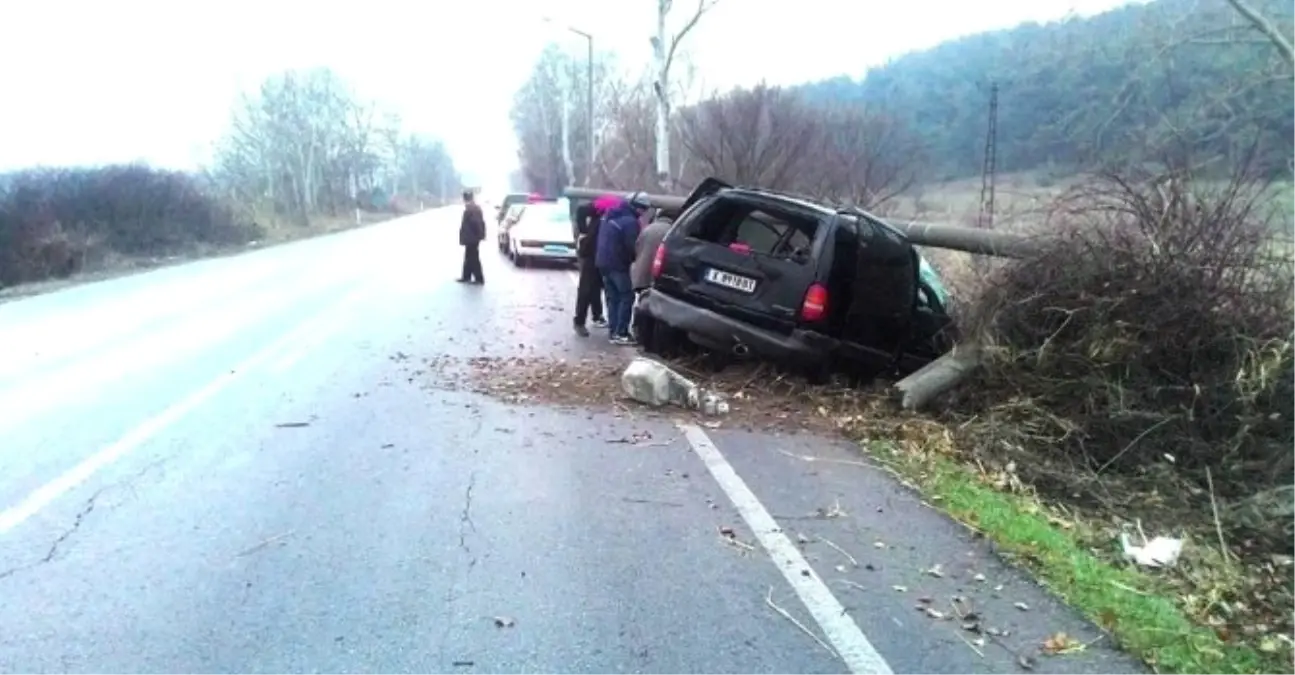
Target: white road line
[(46, 494), (838, 626), (77, 380)]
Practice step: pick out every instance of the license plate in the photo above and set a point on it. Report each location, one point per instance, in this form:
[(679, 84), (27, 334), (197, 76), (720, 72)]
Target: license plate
[(736, 282), (556, 249)]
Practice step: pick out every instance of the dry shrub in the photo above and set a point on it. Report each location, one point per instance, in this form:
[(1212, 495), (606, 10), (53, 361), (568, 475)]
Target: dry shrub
[(1147, 354), (774, 138), (54, 222)]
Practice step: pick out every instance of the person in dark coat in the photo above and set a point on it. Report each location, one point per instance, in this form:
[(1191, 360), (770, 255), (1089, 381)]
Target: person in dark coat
[(614, 255), (472, 231), (589, 290)]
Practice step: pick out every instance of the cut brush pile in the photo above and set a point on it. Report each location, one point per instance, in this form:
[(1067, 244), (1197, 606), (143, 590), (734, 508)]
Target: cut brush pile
[(1140, 371)]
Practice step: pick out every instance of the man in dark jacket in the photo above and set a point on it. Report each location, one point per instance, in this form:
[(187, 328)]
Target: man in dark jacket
[(617, 234), (589, 291), (472, 230)]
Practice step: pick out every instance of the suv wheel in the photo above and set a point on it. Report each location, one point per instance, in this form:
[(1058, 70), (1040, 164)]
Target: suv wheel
[(658, 337)]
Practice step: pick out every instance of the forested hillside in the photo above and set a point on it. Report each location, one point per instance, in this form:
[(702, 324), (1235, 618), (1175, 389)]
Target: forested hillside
[(1099, 89)]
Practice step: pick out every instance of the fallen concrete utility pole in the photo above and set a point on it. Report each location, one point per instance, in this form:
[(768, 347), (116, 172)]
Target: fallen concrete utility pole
[(971, 240), (923, 386)]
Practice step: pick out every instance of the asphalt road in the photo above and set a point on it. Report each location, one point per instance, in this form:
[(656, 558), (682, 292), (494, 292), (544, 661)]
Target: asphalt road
[(227, 466)]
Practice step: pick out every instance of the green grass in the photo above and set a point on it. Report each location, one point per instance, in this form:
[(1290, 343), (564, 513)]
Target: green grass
[(1132, 606)]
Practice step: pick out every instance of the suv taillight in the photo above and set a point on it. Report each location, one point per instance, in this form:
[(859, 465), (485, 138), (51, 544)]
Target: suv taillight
[(658, 261), (815, 306)]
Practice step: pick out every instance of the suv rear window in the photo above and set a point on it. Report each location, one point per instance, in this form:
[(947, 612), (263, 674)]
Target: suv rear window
[(729, 222)]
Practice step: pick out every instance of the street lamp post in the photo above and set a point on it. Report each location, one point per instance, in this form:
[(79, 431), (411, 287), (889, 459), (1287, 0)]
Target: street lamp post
[(589, 102), (589, 96)]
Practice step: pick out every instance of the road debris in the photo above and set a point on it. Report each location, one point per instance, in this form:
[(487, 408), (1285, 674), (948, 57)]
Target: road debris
[(1021, 606), (729, 536), (974, 644), (901, 589), (759, 399), (635, 500), (840, 550), (768, 600), (653, 383), (291, 425), (265, 543), (1060, 643), (833, 511), (642, 439), (936, 571), (505, 622), (1159, 552)]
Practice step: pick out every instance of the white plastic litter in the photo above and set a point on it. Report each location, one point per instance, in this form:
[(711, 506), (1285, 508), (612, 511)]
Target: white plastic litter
[(653, 383), (1159, 552)]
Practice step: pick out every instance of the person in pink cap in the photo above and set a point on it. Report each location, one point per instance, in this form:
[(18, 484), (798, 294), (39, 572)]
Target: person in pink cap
[(589, 291)]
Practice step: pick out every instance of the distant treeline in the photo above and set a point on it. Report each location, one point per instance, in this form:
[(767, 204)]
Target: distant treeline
[(1123, 85)]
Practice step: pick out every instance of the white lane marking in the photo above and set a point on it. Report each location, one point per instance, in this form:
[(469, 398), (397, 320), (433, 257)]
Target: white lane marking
[(838, 626), (46, 494), (78, 380)]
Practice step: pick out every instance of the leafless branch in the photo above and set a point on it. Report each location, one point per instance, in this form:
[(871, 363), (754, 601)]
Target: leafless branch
[(1263, 25)]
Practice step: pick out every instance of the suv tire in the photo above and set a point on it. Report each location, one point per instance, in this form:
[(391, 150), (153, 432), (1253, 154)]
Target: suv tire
[(658, 338)]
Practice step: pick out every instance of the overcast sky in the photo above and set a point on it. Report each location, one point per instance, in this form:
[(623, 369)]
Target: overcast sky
[(95, 81)]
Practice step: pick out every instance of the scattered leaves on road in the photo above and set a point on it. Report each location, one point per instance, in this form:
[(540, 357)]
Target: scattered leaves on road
[(1060, 643), (760, 399)]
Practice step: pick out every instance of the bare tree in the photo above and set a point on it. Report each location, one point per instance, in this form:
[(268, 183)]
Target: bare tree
[(862, 156), (305, 145), (1267, 28), (756, 136), (552, 134), (665, 48), (625, 159)]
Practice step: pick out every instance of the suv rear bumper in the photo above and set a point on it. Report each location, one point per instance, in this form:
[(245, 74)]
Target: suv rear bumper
[(799, 347)]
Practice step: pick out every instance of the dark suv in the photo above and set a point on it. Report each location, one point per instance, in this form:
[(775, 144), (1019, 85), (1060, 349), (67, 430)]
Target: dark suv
[(748, 272)]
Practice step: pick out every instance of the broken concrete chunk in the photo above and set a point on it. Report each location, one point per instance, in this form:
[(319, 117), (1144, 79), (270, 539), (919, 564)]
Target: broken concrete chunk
[(652, 383)]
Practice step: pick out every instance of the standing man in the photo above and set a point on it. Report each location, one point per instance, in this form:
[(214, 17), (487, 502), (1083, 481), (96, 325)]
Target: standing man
[(614, 256), (589, 291), (472, 231), (644, 252)]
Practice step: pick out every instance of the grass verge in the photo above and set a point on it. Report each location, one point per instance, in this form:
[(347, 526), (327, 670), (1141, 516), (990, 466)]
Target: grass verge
[(1134, 607)]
